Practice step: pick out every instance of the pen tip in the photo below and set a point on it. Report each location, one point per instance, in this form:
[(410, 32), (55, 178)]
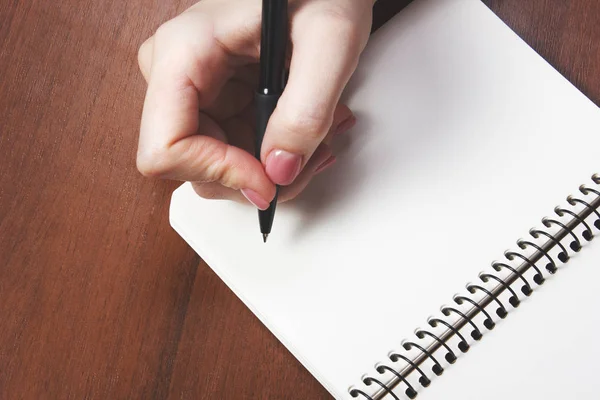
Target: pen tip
[(265, 237)]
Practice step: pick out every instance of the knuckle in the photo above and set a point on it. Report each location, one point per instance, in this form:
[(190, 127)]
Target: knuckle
[(312, 125), (228, 176), (218, 166), (153, 163), (182, 51), (349, 29), (209, 192), (339, 19), (166, 29), (170, 38), (176, 32), (213, 162), (144, 53)]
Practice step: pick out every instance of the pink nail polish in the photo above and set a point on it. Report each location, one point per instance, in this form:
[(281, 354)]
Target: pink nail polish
[(345, 125), (283, 167), (328, 163), (255, 198)]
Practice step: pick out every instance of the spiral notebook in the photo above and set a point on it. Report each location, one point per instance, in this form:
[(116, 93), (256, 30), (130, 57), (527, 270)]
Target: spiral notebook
[(449, 252)]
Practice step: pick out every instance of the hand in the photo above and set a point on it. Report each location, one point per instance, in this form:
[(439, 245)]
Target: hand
[(202, 69)]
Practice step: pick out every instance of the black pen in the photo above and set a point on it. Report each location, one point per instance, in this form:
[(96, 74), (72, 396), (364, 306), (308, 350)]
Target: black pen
[(273, 42)]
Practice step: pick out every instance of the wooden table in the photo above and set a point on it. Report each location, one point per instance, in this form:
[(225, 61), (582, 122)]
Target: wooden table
[(99, 298)]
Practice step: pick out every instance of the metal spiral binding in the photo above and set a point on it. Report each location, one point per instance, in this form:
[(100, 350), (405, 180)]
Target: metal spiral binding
[(491, 295)]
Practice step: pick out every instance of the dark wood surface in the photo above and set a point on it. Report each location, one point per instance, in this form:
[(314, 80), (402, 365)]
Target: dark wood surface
[(99, 298)]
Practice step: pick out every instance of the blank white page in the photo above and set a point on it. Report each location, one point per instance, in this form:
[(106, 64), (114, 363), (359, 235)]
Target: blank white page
[(465, 139)]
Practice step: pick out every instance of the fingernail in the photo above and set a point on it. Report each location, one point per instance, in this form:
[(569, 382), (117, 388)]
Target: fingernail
[(328, 163), (345, 125), (255, 198), (283, 167)]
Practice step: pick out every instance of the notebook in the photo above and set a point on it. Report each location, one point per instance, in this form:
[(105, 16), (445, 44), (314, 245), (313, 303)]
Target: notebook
[(441, 256)]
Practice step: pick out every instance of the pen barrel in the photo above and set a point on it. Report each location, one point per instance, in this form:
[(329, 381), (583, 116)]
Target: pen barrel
[(266, 217), (273, 45), (265, 105)]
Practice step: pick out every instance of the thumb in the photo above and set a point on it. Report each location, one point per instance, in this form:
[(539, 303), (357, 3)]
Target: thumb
[(319, 70)]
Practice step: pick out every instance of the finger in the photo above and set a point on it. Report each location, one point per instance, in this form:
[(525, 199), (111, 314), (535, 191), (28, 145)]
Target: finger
[(178, 142), (320, 68), (145, 57), (216, 191), (207, 159), (188, 70), (321, 156), (325, 165), (241, 132), (343, 119)]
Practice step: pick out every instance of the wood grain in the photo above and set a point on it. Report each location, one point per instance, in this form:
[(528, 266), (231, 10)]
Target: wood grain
[(99, 298), (94, 286)]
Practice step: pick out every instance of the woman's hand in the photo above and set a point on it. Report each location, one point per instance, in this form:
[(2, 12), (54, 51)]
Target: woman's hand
[(202, 68)]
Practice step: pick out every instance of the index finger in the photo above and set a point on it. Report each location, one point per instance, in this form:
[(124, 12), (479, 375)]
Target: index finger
[(176, 140)]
